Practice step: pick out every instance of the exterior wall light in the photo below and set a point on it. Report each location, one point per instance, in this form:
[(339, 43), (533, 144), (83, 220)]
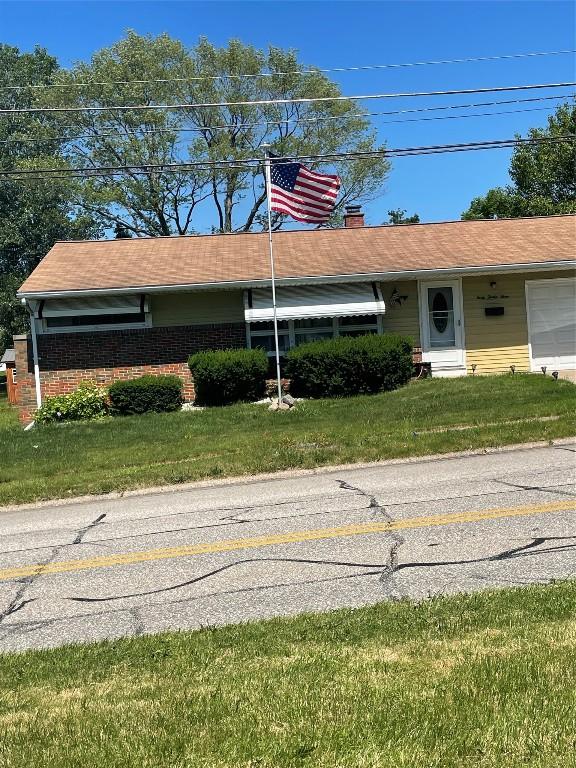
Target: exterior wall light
[(396, 298)]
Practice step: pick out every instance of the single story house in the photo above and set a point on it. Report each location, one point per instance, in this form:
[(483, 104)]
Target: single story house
[(475, 296)]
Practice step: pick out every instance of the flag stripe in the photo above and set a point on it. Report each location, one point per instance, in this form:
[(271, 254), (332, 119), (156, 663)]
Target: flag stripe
[(302, 200), (311, 192), (277, 200), (304, 206), (319, 176), (301, 179), (300, 216), (287, 208)]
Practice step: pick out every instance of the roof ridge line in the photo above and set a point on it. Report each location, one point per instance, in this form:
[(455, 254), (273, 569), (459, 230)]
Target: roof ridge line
[(321, 229)]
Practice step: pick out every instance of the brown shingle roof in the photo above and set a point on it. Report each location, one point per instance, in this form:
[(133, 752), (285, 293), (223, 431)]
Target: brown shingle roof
[(195, 260)]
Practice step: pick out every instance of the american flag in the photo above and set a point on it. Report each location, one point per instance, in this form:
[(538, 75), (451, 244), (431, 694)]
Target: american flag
[(301, 193)]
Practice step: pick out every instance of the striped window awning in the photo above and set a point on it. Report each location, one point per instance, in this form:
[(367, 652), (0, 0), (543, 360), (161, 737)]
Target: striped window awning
[(93, 305), (307, 301)]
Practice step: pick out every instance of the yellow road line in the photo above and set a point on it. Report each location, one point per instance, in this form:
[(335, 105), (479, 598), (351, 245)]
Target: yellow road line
[(294, 537)]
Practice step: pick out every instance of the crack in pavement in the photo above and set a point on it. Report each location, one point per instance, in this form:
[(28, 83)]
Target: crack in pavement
[(505, 555), (19, 601), (390, 588), (83, 531), (227, 567), (541, 488)]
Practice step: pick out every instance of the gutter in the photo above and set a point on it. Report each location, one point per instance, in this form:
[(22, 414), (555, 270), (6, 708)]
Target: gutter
[(34, 355), (307, 280)]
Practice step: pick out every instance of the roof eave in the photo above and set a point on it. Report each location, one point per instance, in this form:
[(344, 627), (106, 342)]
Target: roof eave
[(387, 276)]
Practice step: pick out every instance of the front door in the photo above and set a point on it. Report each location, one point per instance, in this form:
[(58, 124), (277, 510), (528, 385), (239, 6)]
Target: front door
[(441, 327)]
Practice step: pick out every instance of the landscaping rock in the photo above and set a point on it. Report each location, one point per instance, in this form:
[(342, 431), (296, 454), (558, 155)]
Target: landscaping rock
[(275, 407)]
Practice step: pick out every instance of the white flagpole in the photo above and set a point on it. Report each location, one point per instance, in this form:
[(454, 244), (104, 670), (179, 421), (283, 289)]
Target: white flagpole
[(268, 195)]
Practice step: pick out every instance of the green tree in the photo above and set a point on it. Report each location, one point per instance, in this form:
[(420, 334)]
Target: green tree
[(165, 203), (33, 214), (543, 175), (398, 216)]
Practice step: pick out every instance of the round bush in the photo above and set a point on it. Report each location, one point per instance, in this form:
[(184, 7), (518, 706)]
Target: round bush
[(229, 375), (146, 394), (349, 366)]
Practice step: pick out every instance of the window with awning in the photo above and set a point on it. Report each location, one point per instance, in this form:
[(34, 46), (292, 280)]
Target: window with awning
[(310, 313), (310, 301), (92, 312)]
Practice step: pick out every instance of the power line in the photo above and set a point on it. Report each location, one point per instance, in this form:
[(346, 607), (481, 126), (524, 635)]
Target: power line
[(297, 121), (272, 102), (255, 162), (313, 71)]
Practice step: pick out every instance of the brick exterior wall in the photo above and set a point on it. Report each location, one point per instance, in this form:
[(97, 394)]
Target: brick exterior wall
[(67, 359)]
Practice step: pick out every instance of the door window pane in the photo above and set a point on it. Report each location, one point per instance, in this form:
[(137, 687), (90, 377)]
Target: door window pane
[(441, 317)]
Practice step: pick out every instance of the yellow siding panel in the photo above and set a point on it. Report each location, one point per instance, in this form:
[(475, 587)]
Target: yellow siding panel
[(493, 344), (197, 308), (402, 318)]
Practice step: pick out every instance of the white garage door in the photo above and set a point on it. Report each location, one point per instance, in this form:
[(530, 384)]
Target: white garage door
[(551, 306)]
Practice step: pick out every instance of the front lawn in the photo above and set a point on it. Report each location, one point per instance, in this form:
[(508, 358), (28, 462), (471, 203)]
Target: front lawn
[(477, 681), (426, 417)]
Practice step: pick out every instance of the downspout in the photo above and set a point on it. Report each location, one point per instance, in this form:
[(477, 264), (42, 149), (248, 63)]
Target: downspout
[(34, 354)]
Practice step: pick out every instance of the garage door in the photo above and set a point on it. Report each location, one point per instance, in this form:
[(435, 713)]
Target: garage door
[(551, 306)]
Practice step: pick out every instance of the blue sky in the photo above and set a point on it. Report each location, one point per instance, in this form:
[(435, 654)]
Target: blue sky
[(332, 34)]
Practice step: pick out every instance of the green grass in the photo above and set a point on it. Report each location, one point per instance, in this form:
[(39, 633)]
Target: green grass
[(477, 681), (122, 453), (8, 418)]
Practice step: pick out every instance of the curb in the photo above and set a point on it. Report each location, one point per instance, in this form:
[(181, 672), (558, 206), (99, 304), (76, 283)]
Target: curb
[(283, 475)]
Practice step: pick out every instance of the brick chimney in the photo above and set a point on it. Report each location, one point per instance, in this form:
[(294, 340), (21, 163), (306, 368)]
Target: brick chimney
[(354, 216)]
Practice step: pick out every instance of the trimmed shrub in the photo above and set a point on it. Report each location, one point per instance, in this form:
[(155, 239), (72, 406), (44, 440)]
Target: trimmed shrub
[(229, 375), (349, 366), (146, 394), (86, 402)]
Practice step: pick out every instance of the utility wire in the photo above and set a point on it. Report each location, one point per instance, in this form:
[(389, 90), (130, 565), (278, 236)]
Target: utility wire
[(297, 121), (312, 71), (272, 102), (255, 163)]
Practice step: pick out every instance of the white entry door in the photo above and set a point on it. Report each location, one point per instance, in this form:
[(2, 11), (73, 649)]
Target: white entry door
[(441, 327), (551, 310)]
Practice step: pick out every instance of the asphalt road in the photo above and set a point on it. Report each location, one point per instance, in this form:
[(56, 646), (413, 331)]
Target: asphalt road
[(189, 558)]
